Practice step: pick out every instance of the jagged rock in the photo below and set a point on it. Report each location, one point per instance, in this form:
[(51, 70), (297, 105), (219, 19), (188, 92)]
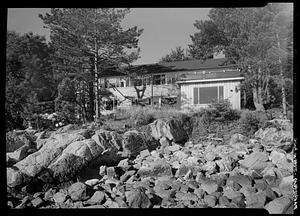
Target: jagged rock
[(286, 186), (37, 202), (127, 175), (92, 182), (121, 202), (181, 155), (59, 197), (210, 167), (164, 141), (137, 199), (10, 204), (174, 147), (94, 206), (223, 201), (14, 177), (225, 164), (66, 167), (79, 192), (283, 123), (24, 203), (237, 138), (210, 200), (232, 194), (97, 198), (49, 194), (36, 162), (273, 136), (210, 156), (111, 204), (157, 169), (182, 170), (42, 138), (145, 153), (111, 173), (133, 142), (189, 197), (209, 186), (102, 170), (169, 128), (254, 199), (124, 164), (108, 140), (243, 181), (279, 205), (20, 153), (260, 184), (255, 161), (280, 159), (199, 192), (164, 189)]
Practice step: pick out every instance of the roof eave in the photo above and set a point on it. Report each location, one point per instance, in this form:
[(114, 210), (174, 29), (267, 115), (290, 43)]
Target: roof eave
[(210, 80)]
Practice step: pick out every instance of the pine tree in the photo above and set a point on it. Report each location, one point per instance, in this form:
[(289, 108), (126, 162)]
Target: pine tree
[(88, 41)]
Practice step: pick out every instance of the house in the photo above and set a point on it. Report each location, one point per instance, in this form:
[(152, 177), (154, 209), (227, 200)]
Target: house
[(187, 85)]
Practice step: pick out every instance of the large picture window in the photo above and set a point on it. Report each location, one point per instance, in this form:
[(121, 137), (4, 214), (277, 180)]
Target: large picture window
[(206, 95)]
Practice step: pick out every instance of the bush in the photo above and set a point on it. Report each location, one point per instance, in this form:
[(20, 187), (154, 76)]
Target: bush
[(251, 121), (139, 116), (143, 119), (219, 119)]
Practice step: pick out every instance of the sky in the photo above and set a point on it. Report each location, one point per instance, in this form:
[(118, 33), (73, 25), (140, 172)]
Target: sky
[(164, 28)]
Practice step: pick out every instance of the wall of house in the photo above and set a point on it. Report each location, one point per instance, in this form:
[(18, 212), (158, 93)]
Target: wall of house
[(230, 93), (167, 90)]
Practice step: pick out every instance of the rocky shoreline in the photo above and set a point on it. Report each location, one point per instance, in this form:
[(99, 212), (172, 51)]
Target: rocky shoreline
[(155, 167)]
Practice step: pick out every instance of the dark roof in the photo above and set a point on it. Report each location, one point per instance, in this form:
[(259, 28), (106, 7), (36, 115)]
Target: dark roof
[(212, 75), (195, 64), (165, 67)]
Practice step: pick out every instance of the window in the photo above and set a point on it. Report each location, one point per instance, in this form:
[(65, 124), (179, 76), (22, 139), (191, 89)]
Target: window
[(159, 79), (206, 95)]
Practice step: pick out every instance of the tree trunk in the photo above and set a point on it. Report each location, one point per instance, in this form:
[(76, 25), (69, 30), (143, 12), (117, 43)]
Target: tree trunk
[(244, 99), (97, 110), (91, 112), (257, 98), (283, 95)]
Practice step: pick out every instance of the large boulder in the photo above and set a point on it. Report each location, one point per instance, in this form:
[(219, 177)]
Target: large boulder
[(33, 164), (79, 191), (237, 138), (133, 142), (156, 169), (74, 158), (137, 199), (169, 128), (255, 161), (281, 205), (20, 153), (14, 177), (278, 133), (42, 138), (108, 140)]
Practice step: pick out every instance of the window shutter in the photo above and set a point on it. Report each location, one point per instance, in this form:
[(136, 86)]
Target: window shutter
[(221, 94), (196, 96)]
